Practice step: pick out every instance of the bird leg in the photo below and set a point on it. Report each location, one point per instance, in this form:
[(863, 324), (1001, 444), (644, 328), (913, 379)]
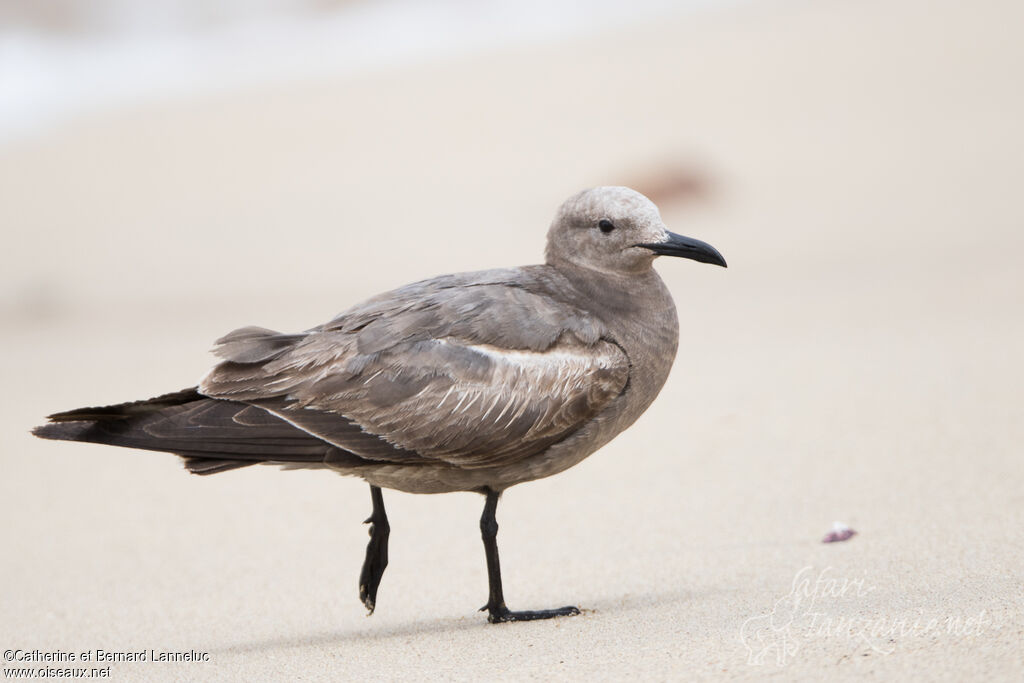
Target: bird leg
[(376, 551), (497, 612)]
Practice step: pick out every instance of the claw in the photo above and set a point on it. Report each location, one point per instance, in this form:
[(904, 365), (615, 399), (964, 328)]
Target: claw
[(368, 602)]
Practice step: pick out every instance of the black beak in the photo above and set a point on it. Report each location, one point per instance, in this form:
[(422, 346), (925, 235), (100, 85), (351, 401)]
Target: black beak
[(687, 247)]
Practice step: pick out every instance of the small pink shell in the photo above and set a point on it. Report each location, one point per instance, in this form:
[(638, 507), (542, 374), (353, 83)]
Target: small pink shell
[(840, 532)]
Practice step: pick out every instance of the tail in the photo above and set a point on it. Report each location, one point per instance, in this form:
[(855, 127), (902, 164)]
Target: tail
[(212, 435)]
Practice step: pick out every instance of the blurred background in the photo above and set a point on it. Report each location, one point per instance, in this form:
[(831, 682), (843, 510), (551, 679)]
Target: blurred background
[(175, 169)]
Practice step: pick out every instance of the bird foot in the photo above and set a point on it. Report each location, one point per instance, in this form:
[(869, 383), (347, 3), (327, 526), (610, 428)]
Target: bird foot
[(500, 615), (375, 564)]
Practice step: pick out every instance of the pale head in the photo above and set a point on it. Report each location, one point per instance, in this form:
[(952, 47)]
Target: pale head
[(617, 230)]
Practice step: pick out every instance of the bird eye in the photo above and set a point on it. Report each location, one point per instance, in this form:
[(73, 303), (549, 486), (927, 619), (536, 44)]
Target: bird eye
[(606, 225)]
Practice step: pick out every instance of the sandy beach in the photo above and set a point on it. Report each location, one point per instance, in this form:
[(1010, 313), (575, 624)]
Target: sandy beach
[(860, 361)]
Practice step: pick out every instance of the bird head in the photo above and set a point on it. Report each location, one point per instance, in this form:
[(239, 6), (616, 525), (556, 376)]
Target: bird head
[(618, 230)]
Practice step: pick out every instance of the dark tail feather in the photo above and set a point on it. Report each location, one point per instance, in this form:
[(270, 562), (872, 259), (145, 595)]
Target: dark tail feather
[(210, 434), (123, 410), (204, 466), (89, 432)]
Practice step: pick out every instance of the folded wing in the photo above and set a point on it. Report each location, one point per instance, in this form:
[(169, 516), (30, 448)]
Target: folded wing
[(475, 374)]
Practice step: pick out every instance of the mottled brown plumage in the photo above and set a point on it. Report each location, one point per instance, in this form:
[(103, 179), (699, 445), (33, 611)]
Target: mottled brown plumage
[(463, 373)]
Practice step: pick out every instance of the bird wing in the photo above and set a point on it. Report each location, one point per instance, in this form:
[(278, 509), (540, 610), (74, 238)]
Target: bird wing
[(475, 373)]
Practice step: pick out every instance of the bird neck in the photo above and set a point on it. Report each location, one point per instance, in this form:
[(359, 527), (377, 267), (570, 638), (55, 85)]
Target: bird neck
[(624, 295)]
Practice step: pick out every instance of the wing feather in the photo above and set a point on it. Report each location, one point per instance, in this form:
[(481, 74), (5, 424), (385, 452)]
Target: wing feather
[(476, 375)]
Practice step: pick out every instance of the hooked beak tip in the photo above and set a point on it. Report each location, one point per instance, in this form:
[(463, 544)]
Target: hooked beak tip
[(689, 248)]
